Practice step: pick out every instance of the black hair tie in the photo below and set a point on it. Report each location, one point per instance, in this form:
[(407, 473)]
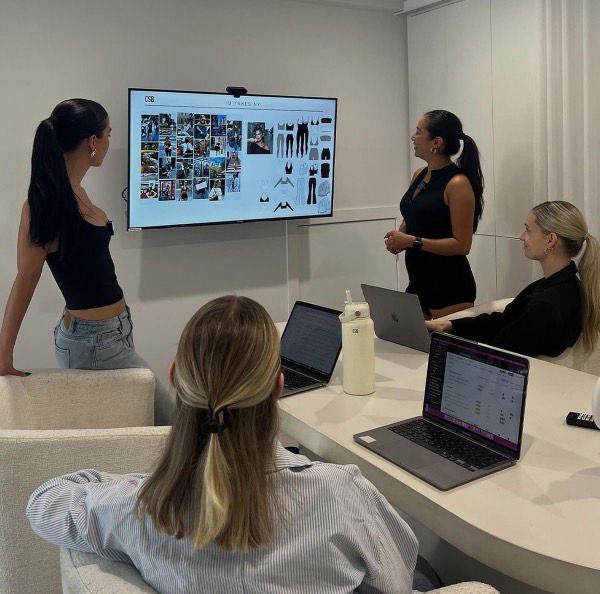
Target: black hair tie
[(215, 421)]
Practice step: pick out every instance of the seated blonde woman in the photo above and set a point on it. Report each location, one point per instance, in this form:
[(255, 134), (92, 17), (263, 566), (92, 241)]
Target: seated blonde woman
[(228, 509), (550, 314)]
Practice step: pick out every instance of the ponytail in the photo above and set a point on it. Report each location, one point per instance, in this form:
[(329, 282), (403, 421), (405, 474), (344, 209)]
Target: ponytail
[(214, 482), (468, 162), (589, 271), (565, 219), (52, 202), (447, 126)]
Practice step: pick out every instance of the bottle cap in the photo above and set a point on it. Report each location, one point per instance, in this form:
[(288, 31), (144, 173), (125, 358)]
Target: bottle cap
[(354, 309)]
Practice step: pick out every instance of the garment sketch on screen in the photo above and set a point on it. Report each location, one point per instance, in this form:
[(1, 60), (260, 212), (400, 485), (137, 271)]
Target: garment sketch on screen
[(283, 206), (313, 155), (289, 168), (301, 188), (314, 142), (324, 205), (264, 198), (314, 169), (325, 170), (325, 120), (302, 139), (280, 145), (280, 125), (312, 191), (313, 123), (324, 189), (325, 154), (303, 168), (284, 181), (289, 146), (325, 138), (326, 129)]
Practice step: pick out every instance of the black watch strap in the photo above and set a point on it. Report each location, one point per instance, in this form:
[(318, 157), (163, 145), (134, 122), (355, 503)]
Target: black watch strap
[(417, 243)]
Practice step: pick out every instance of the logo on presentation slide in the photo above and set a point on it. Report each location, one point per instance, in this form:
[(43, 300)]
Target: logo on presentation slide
[(149, 99)]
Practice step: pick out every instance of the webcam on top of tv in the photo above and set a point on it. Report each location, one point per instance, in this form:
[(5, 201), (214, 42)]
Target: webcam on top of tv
[(237, 92)]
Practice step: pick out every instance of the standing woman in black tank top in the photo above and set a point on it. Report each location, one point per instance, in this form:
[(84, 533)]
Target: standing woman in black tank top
[(60, 225), (440, 211)]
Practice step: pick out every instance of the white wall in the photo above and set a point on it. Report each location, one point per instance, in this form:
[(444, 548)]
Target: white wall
[(55, 49)]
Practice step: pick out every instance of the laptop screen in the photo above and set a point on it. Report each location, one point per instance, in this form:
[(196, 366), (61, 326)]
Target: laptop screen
[(312, 338), (477, 390)]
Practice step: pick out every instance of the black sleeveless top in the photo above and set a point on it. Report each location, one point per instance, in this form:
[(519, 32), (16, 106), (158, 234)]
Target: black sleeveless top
[(86, 275), (439, 281)]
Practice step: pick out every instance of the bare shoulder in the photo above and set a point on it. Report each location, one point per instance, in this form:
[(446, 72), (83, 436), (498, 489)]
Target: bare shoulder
[(459, 185)]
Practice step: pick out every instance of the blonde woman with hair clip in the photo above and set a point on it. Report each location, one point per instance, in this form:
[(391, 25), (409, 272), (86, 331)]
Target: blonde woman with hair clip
[(550, 314), (227, 508)]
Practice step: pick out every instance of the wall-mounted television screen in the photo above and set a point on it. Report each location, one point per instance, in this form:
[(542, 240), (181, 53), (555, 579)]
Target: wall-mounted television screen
[(205, 158)]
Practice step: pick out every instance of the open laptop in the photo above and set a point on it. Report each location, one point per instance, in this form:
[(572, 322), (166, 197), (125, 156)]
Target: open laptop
[(397, 317), (310, 347), (472, 423)]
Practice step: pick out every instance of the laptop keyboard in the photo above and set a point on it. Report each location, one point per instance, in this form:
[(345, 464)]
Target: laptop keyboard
[(465, 453), (294, 380)]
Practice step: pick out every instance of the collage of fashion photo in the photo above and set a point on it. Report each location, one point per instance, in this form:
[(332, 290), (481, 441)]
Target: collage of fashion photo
[(187, 156)]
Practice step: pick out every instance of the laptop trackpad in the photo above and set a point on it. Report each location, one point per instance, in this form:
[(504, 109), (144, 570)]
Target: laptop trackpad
[(405, 453)]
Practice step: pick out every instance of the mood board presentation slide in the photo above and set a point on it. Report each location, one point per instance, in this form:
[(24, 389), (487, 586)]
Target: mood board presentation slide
[(198, 158)]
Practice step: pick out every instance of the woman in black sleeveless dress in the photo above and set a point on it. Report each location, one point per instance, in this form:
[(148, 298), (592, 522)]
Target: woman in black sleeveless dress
[(441, 209)]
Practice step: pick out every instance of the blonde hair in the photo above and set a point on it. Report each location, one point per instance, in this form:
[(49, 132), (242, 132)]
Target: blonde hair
[(218, 486), (565, 219)]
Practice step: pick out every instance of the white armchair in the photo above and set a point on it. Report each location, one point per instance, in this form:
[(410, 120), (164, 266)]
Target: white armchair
[(83, 573), (52, 423)]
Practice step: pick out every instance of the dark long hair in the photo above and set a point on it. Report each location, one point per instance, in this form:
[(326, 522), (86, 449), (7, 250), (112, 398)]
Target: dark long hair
[(449, 128), (53, 205)]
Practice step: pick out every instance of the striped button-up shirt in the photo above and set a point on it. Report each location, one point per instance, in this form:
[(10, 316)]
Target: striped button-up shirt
[(338, 534)]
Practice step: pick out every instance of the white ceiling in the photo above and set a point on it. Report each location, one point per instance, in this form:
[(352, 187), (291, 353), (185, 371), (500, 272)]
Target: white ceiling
[(387, 5)]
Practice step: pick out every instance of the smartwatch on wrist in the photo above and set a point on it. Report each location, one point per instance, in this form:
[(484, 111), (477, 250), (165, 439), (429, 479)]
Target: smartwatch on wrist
[(417, 244)]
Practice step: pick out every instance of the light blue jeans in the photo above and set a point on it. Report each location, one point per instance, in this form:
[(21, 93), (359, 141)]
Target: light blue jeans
[(106, 344)]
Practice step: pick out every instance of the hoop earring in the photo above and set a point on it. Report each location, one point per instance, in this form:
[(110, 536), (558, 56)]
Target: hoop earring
[(93, 154), (432, 150)]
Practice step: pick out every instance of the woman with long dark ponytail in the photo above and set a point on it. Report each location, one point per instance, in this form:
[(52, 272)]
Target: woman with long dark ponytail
[(61, 226), (441, 210)]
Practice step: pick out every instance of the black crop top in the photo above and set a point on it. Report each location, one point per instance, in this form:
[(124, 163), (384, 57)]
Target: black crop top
[(86, 275)]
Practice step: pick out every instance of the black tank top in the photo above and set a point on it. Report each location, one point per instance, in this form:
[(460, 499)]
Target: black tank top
[(86, 275), (439, 281)]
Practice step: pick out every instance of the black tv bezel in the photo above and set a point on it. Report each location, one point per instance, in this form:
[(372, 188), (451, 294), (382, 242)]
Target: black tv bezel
[(232, 222)]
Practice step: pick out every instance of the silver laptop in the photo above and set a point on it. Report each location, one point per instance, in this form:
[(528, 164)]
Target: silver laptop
[(310, 347), (472, 422), (397, 317)]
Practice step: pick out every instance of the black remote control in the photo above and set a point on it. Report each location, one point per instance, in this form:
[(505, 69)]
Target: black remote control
[(581, 420)]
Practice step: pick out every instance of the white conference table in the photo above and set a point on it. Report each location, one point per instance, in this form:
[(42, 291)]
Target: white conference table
[(538, 522)]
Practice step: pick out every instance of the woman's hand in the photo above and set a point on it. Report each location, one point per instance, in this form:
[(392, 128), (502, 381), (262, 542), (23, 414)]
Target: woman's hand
[(438, 325), (6, 367), (397, 241)]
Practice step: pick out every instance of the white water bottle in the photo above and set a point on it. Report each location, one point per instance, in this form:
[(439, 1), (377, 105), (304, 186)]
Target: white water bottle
[(358, 348)]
